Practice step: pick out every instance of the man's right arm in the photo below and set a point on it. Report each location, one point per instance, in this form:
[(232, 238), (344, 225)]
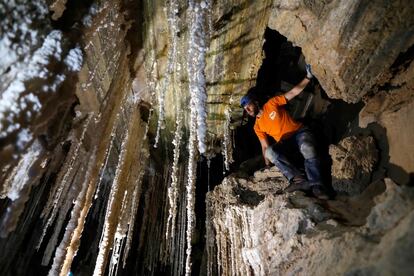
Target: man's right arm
[(265, 144), (300, 86)]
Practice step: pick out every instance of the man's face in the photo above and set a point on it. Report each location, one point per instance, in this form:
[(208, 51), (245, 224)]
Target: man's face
[(252, 109)]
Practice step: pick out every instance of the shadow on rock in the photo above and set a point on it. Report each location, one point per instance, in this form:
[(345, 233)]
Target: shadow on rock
[(247, 197)]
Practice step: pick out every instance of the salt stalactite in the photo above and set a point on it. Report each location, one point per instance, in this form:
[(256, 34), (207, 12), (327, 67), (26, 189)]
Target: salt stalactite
[(19, 177), (175, 70), (19, 186), (176, 242), (190, 186), (129, 207), (120, 234), (56, 197), (135, 203), (227, 141), (172, 10), (125, 227), (60, 220), (198, 44), (173, 189), (115, 218), (107, 154), (175, 253), (195, 65), (104, 244), (208, 172), (61, 251), (102, 155), (209, 248), (82, 206)]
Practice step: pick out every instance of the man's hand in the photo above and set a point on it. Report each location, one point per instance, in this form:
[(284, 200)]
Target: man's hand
[(265, 144)]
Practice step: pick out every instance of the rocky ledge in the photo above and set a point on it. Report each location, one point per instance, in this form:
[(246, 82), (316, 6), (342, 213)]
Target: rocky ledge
[(254, 229)]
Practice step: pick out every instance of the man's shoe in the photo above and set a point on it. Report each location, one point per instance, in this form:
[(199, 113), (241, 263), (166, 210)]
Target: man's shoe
[(297, 183), (319, 192)]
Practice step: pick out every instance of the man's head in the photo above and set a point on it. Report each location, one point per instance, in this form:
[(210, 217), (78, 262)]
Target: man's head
[(250, 104)]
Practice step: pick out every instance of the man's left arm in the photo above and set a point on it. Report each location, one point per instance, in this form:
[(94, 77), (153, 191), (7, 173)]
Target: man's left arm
[(300, 86)]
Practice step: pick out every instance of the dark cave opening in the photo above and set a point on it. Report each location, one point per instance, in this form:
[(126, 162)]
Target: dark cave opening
[(73, 13), (330, 120), (210, 173)]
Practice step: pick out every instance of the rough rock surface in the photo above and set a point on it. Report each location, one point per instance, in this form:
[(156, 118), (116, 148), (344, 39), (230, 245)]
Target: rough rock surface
[(393, 108), (353, 161), (350, 44), (232, 60), (37, 71), (254, 230)]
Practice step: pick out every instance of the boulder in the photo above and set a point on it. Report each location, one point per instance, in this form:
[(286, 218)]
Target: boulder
[(353, 161)]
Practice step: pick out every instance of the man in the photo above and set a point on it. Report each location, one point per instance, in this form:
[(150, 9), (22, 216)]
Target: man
[(273, 120)]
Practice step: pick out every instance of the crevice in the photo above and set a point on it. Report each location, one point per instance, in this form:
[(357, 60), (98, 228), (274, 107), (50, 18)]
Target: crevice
[(404, 59), (74, 12)]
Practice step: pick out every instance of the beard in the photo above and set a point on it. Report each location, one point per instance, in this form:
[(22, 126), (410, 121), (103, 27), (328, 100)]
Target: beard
[(253, 111)]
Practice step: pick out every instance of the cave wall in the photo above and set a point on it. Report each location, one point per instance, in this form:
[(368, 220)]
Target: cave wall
[(75, 157), (392, 108), (351, 44), (235, 32)]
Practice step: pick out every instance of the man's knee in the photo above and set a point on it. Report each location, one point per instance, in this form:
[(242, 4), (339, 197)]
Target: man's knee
[(308, 150)]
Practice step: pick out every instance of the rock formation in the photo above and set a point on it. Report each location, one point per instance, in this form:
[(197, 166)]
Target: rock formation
[(353, 162), (117, 117), (255, 230)]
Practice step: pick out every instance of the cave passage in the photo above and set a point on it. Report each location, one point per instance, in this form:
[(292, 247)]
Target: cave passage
[(282, 68)]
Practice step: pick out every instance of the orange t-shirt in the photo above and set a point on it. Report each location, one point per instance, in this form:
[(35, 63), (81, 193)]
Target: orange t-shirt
[(275, 121)]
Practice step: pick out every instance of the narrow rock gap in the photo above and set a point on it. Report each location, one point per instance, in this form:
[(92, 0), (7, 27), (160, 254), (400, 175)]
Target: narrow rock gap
[(208, 176), (404, 58)]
